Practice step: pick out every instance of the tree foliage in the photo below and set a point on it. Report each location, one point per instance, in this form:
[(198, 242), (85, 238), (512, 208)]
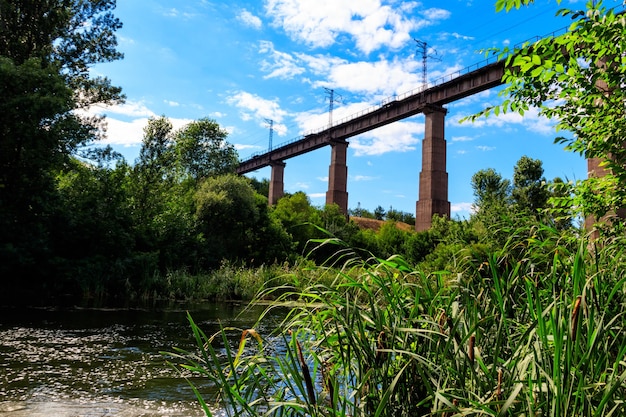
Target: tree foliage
[(529, 192), (46, 50), (577, 80), (490, 188), (202, 151)]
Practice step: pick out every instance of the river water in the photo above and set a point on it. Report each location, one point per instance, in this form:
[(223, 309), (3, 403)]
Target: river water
[(103, 362)]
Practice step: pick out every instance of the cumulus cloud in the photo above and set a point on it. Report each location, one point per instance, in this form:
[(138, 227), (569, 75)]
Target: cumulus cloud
[(249, 19), (531, 121), (259, 109), (130, 133), (381, 77), (396, 137), (370, 24), (279, 64), (315, 121), (129, 108), (125, 122), (462, 207)]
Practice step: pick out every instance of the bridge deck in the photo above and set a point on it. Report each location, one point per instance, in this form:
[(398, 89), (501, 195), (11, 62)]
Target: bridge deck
[(472, 82)]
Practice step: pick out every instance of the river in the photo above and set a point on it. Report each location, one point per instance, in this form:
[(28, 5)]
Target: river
[(92, 362)]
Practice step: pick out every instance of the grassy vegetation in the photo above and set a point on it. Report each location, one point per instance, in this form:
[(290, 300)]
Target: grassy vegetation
[(537, 328)]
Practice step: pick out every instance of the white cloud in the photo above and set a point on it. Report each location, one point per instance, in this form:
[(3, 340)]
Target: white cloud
[(462, 207), (315, 121), (436, 14), (175, 13), (370, 24), (486, 148), (171, 103), (363, 178), (446, 35), (383, 78), (249, 19), (395, 137), (241, 147), (259, 109), (379, 79), (531, 121), (123, 133), (130, 133), (129, 108), (280, 64), (321, 64), (125, 122), (462, 138), (316, 196)]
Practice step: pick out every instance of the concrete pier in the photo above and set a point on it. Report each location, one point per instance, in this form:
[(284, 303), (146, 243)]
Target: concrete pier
[(338, 176), (277, 185), (433, 180)]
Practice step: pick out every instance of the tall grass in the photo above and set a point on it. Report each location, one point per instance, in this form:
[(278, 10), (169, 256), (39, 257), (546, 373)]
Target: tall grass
[(538, 328)]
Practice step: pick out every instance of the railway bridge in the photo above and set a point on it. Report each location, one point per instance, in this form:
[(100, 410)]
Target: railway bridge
[(433, 178)]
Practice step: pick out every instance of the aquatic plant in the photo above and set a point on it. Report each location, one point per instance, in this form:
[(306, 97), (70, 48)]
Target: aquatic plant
[(536, 329)]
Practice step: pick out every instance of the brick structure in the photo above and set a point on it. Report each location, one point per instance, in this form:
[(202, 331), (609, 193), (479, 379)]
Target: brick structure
[(433, 182), (277, 185), (338, 176)]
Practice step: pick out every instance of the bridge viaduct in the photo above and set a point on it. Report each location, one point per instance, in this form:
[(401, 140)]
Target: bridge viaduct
[(433, 178)]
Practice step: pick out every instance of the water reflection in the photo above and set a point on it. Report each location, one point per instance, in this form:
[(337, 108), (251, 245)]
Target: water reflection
[(102, 362)]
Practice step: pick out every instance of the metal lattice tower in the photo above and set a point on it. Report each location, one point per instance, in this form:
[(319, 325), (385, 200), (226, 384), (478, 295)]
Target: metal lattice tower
[(422, 49), (271, 126), (331, 104)]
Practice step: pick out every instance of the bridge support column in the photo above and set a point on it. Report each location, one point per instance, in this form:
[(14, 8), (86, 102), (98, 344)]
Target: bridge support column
[(433, 183), (277, 185), (338, 176)]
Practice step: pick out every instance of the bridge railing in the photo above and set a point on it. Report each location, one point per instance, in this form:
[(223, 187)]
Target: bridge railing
[(384, 102), (437, 82)]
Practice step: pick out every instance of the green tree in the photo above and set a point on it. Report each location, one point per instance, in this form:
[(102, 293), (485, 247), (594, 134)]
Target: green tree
[(361, 212), (262, 187), (490, 189), (529, 192), (235, 223), (202, 151), (94, 242), (577, 79), (46, 50), (298, 216), (153, 176), (391, 240), (379, 213)]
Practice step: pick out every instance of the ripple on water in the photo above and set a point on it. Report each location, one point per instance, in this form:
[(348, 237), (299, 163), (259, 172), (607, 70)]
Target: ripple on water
[(100, 363)]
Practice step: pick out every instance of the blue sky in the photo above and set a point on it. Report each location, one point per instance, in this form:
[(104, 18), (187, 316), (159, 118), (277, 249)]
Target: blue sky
[(242, 63)]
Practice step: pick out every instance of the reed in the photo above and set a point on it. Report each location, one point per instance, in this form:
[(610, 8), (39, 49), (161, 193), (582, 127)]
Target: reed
[(536, 329)]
